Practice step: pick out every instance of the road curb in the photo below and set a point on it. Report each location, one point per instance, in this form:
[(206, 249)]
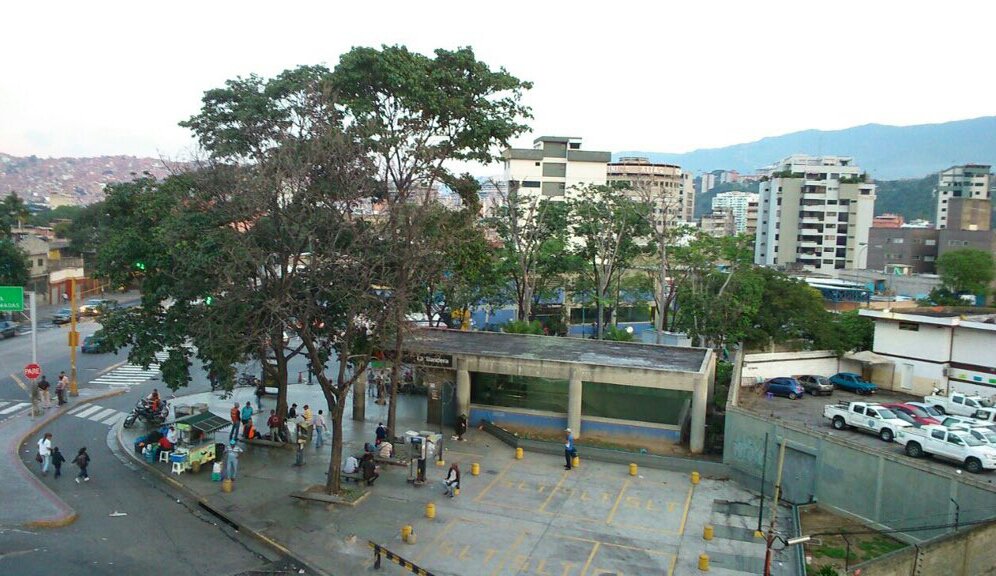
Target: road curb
[(204, 502), (70, 516)]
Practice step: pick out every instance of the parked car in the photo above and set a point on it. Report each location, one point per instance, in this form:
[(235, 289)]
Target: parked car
[(915, 415), (957, 403), (97, 306), (956, 445), (951, 421), (788, 387), (8, 329), (984, 434), (985, 414), (63, 316), (852, 382), (928, 409), (816, 385), (867, 417), (96, 343)]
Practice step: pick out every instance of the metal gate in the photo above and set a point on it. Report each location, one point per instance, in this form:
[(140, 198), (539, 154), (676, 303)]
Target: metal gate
[(798, 476)]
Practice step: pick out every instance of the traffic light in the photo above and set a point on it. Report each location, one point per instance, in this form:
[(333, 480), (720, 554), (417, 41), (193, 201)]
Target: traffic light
[(209, 300), (140, 266)]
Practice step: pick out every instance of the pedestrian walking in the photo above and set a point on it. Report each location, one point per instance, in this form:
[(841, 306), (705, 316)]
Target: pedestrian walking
[(321, 428), (46, 395), (82, 460), (232, 460), (569, 450), (460, 428), (44, 456), (57, 460), (381, 433), (60, 389), (236, 415), (260, 392)]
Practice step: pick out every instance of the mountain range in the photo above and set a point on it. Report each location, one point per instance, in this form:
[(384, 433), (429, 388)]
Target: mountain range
[(885, 152)]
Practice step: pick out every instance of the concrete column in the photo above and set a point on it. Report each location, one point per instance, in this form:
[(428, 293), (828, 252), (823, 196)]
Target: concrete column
[(574, 403), (700, 398), (360, 399), (462, 387)]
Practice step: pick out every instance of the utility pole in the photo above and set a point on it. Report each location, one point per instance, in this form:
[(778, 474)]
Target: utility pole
[(957, 512), (774, 511), (33, 308), (74, 339), (764, 470)]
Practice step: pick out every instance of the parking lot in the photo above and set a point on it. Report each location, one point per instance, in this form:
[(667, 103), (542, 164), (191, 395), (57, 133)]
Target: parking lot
[(808, 412)]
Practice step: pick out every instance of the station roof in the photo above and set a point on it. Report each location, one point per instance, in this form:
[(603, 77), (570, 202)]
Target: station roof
[(558, 349)]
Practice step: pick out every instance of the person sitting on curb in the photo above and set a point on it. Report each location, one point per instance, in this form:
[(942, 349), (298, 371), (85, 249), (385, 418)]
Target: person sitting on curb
[(452, 481), (369, 467)]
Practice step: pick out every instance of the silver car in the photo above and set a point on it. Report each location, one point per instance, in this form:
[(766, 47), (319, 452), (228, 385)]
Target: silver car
[(816, 385)]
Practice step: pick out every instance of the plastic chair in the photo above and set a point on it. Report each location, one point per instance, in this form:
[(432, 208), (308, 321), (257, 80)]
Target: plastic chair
[(178, 468), (164, 456)]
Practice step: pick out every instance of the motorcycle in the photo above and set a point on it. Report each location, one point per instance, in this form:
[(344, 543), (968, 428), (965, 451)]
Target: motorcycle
[(143, 409)]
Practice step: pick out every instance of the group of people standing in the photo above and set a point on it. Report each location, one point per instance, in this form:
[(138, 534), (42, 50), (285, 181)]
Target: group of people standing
[(49, 456), (45, 394)]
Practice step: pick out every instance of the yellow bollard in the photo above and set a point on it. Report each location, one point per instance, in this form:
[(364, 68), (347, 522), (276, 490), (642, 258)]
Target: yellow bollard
[(518, 453), (440, 463), (695, 477), (430, 510), (226, 485), (707, 533), (633, 468), (704, 562), (758, 534), (475, 469), (576, 462), (406, 532), (456, 491)]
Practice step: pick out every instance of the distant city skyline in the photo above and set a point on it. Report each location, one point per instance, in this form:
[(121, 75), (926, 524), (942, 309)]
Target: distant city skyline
[(116, 77)]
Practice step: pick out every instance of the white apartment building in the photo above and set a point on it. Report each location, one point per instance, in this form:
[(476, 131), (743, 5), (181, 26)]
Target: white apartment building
[(960, 187), (553, 166), (739, 204), (667, 186), (815, 213)]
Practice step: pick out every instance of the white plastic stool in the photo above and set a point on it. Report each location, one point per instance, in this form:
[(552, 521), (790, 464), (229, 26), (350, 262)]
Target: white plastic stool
[(178, 468), (164, 456)]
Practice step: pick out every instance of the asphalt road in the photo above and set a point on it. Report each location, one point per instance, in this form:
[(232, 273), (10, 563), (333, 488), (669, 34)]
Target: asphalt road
[(129, 521)]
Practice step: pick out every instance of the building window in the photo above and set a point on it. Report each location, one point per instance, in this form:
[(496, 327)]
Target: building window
[(896, 240), (910, 326), (928, 258), (575, 145), (530, 184), (41, 262)]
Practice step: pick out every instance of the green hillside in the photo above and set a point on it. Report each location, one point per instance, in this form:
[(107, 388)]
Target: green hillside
[(911, 199)]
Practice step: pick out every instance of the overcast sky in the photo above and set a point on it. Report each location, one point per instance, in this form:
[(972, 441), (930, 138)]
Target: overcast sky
[(95, 78)]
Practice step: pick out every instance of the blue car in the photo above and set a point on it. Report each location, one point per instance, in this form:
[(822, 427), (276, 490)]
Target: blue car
[(853, 383), (788, 387)]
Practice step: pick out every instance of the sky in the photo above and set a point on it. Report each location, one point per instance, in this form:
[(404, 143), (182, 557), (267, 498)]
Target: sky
[(108, 77)]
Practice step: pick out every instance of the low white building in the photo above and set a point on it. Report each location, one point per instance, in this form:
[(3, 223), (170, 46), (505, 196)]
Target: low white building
[(935, 348)]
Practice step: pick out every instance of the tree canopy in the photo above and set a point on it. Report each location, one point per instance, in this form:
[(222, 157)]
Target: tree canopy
[(967, 271)]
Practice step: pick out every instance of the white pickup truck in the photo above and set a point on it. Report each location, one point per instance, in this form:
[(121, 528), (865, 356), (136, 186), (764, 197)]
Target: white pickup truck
[(956, 445), (957, 403), (864, 416), (987, 415)]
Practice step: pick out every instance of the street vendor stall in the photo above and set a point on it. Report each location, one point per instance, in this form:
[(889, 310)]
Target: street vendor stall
[(197, 445)]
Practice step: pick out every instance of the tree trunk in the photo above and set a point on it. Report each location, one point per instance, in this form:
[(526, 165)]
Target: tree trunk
[(332, 482), (399, 341)]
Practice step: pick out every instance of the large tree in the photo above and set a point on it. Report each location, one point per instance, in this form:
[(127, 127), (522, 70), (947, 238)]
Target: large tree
[(13, 264), (967, 271), (608, 231), (418, 114)]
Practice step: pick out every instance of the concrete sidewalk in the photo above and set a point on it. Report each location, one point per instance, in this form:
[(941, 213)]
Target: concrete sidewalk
[(28, 502), (525, 516)]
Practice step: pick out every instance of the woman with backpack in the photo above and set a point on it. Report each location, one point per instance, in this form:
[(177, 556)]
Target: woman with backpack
[(82, 460)]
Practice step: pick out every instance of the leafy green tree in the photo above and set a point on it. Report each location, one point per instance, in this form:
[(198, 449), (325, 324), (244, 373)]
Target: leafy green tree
[(417, 114), (967, 271), (792, 310), (608, 230), (523, 327), (13, 212), (13, 264), (856, 332), (617, 334)]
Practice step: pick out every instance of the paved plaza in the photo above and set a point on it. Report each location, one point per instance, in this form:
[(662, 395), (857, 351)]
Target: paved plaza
[(518, 517)]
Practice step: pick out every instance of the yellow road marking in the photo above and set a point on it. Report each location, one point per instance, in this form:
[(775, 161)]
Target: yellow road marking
[(19, 383), (612, 513), (670, 570), (501, 565), (553, 492), (684, 515), (439, 535), (591, 556), (494, 481)]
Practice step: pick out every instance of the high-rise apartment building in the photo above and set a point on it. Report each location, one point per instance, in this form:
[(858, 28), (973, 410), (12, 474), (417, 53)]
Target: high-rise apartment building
[(964, 196), (815, 213), (738, 203), (553, 166), (666, 186)]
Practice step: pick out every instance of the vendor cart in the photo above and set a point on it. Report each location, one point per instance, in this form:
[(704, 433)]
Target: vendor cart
[(197, 445)]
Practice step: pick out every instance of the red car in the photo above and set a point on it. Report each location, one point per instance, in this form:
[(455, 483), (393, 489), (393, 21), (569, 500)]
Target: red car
[(913, 414)]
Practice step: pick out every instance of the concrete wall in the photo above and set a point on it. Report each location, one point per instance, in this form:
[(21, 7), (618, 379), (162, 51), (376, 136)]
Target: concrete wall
[(876, 488), (968, 553), (758, 367), (603, 429)]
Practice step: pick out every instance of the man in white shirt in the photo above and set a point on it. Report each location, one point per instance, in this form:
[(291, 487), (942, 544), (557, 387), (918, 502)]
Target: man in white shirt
[(351, 465), (45, 452)]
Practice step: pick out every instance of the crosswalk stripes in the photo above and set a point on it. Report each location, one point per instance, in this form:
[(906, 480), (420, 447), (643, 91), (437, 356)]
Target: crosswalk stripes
[(130, 374), (107, 416), (11, 407)]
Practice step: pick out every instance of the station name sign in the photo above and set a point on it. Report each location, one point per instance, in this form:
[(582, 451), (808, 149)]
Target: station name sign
[(429, 359)]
